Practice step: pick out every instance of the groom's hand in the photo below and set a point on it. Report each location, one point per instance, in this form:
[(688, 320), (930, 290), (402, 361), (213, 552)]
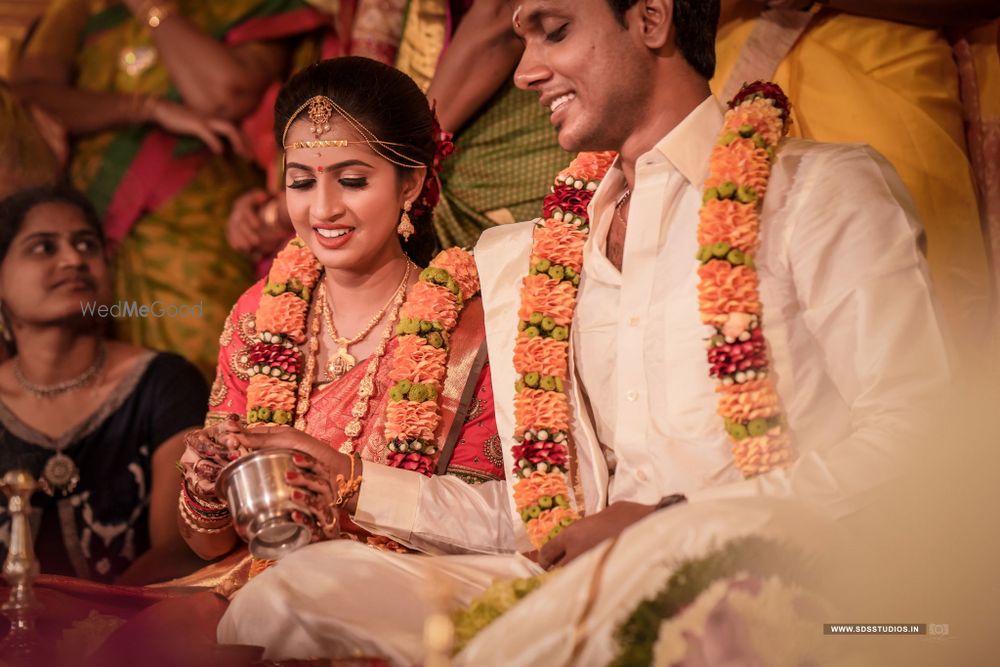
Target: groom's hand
[(588, 532)]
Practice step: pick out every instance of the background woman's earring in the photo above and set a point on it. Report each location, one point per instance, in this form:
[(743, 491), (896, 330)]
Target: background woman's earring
[(405, 228)]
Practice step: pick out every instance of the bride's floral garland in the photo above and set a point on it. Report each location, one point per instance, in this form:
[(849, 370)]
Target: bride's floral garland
[(275, 359), (420, 361), (541, 351), (427, 319), (729, 292)]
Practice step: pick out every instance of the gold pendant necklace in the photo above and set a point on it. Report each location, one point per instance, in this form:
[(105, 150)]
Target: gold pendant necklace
[(61, 475), (366, 388), (341, 362)]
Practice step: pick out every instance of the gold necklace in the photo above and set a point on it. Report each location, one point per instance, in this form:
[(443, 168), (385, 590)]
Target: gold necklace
[(366, 389), (309, 368), (343, 361), (621, 204)]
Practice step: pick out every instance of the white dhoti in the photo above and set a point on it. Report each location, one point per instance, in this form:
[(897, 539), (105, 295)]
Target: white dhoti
[(339, 598), (543, 629), (335, 599)]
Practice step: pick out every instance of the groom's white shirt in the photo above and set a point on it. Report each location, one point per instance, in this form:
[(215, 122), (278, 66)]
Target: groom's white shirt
[(852, 333)]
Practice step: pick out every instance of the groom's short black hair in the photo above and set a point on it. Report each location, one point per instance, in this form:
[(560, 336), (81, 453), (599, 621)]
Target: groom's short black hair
[(695, 23)]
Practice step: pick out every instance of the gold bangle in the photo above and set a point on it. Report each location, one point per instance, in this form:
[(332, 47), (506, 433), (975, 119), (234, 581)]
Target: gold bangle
[(347, 489), (208, 504), (193, 524)]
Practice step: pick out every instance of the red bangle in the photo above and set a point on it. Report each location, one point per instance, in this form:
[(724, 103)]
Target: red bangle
[(203, 509)]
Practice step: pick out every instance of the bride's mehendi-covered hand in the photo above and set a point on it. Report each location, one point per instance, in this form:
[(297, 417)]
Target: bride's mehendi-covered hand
[(318, 465), (286, 437), (207, 451), (316, 489)]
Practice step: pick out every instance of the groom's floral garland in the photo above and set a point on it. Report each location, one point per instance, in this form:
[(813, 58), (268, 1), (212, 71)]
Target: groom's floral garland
[(541, 351), (728, 295), (420, 361), (729, 292)]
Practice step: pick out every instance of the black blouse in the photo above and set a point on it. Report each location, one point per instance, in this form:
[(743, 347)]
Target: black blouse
[(99, 529)]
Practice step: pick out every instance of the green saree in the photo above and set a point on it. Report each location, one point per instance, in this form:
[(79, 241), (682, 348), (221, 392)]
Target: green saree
[(164, 199)]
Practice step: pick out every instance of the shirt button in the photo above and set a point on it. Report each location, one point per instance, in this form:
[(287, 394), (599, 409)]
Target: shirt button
[(642, 476), (632, 395), (633, 321)]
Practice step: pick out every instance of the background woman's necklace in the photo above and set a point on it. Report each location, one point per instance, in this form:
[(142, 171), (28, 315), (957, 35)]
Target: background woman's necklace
[(60, 474), (343, 361)]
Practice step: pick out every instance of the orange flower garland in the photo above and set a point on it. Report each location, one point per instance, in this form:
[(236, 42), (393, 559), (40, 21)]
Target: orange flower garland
[(729, 291), (275, 359), (541, 351), (420, 360), (728, 296)]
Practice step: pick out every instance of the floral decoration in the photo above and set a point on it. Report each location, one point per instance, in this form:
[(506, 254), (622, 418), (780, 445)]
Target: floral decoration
[(729, 286), (420, 360), (275, 359), (541, 351)]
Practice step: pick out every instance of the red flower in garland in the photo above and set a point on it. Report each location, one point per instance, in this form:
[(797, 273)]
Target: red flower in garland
[(420, 463), (288, 360), (771, 91), (543, 451), (730, 358), (569, 199)]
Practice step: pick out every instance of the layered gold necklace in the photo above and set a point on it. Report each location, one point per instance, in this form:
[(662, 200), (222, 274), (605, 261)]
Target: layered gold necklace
[(366, 388), (343, 361)]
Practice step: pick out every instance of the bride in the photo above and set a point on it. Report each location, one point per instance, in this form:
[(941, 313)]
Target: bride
[(350, 352)]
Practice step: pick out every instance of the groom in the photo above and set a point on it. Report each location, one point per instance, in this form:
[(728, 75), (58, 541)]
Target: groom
[(851, 334), (847, 315)]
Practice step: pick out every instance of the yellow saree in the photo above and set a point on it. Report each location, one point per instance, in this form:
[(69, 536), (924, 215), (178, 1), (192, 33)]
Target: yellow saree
[(895, 87)]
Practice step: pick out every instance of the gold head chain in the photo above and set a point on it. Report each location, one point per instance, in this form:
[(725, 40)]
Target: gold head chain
[(320, 110)]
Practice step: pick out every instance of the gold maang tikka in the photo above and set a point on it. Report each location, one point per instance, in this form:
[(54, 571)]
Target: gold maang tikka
[(320, 110)]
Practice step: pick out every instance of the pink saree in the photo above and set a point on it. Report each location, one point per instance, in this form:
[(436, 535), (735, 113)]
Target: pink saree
[(467, 429)]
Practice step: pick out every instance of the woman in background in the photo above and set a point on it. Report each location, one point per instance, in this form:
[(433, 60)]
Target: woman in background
[(98, 423), (150, 93)]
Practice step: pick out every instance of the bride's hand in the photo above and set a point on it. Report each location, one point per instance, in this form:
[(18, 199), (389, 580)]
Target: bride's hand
[(316, 490), (318, 465), (286, 437), (207, 451)]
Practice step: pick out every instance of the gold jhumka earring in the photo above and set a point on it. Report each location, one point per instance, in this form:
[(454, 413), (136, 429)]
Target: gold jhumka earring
[(406, 228)]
